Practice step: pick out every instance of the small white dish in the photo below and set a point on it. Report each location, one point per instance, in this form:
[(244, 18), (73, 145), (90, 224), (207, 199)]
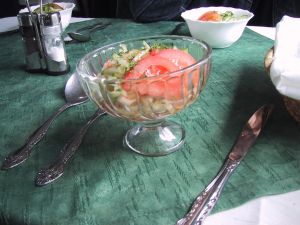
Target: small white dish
[(65, 14), (216, 34)]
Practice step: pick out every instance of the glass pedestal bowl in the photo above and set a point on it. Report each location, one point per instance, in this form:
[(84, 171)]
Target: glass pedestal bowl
[(148, 100)]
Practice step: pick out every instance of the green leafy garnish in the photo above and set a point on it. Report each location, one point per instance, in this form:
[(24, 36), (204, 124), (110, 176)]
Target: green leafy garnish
[(49, 8), (229, 16), (160, 46), (226, 16), (132, 64)]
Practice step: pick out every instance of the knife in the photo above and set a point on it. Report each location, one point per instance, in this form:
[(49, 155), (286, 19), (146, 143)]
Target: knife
[(207, 199)]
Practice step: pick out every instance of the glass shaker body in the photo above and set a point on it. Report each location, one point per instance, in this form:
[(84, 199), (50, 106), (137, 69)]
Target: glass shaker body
[(53, 44), (32, 47)]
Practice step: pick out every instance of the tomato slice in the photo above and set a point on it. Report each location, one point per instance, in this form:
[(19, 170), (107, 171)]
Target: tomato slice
[(182, 59), (157, 63), (178, 57), (149, 66), (143, 67), (155, 70), (211, 16), (151, 71)]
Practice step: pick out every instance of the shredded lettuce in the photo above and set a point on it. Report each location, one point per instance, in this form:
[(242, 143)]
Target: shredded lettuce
[(229, 16)]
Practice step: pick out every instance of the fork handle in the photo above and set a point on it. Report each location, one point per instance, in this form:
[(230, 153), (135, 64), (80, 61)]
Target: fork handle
[(99, 26), (207, 199), (54, 171), (23, 153), (89, 27)]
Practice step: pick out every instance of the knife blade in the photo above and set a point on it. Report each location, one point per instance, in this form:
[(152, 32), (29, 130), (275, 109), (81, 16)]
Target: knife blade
[(207, 199)]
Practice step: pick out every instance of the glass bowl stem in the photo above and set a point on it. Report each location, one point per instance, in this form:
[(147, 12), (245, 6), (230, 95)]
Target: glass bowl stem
[(155, 138)]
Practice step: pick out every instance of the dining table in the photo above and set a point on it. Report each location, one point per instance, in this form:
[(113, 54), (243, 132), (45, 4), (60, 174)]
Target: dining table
[(106, 184)]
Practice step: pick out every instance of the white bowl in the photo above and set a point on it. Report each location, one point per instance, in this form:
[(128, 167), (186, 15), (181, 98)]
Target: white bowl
[(216, 34), (65, 14)]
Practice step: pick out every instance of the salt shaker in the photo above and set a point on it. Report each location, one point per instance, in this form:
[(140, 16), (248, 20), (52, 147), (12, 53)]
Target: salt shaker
[(53, 44), (34, 56)]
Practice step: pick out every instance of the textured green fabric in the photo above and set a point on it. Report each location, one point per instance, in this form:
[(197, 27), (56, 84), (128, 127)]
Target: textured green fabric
[(107, 184)]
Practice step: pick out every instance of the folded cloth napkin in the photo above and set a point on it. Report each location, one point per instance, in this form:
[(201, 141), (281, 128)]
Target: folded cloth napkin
[(285, 68)]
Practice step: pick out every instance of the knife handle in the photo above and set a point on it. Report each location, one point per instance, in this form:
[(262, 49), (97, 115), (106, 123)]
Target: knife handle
[(207, 199)]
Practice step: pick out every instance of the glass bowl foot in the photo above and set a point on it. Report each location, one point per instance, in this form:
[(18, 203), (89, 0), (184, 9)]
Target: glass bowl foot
[(155, 138)]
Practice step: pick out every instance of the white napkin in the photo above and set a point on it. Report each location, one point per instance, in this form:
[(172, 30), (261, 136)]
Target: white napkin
[(285, 68)]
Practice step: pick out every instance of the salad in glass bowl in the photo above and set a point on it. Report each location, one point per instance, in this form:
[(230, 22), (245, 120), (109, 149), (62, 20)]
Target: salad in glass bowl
[(145, 80)]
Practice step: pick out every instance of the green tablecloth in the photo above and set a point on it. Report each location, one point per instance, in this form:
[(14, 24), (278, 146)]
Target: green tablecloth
[(107, 184)]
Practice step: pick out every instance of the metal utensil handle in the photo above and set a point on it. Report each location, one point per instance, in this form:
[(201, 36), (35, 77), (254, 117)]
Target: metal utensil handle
[(89, 27), (99, 26), (207, 199), (54, 171), (93, 27), (24, 152)]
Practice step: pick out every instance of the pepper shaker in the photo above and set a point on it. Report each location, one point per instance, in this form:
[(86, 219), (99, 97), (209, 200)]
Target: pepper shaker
[(53, 44), (34, 56)]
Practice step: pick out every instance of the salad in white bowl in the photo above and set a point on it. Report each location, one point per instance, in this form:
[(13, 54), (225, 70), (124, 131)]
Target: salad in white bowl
[(220, 27)]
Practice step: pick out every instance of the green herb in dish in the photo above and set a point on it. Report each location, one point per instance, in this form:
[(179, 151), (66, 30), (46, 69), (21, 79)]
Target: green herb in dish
[(229, 16), (49, 8)]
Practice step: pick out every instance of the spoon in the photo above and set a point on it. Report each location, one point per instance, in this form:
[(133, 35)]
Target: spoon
[(176, 29), (86, 35), (74, 95), (55, 170)]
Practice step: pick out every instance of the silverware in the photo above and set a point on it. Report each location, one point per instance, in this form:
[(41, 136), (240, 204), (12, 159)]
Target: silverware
[(176, 29), (55, 170), (206, 201), (84, 34), (74, 95)]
